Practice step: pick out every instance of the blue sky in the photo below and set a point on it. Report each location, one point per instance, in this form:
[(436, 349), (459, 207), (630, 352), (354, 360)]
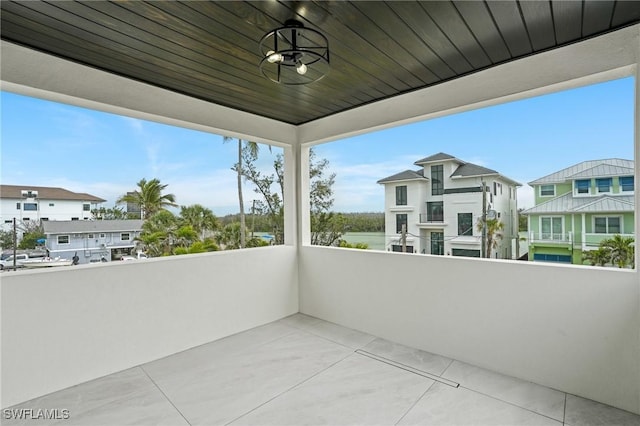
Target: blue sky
[(50, 144)]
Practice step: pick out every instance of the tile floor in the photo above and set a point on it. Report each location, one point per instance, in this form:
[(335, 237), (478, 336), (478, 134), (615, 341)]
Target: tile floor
[(305, 371)]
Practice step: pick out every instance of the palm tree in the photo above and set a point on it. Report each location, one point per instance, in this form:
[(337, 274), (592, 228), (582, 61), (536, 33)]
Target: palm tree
[(621, 249), (601, 256), (200, 218), (149, 197), (253, 149), (494, 234)]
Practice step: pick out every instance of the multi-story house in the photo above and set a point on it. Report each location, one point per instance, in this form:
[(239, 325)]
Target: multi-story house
[(92, 240), (43, 203), (577, 207), (441, 206)]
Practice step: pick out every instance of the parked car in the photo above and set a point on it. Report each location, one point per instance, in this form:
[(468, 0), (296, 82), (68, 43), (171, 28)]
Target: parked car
[(139, 256), (7, 263)]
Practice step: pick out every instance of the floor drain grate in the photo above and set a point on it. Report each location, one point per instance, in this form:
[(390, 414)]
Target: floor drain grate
[(408, 368)]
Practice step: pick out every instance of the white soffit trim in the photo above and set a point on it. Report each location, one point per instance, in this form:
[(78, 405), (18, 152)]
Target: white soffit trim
[(32, 73), (602, 58)]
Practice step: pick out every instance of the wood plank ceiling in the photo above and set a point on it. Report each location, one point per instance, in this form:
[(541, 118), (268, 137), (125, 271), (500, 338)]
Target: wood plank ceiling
[(209, 50)]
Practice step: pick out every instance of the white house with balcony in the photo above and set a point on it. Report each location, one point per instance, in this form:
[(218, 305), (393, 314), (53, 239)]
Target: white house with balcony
[(578, 207), (43, 203), (441, 205)]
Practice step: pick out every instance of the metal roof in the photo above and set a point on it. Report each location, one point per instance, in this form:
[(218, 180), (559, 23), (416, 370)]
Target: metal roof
[(587, 169), (90, 226), (209, 50), (604, 170), (47, 193), (567, 203), (405, 175)]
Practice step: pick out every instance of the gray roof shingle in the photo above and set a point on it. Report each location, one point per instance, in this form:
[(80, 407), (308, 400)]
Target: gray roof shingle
[(470, 169), (441, 156), (47, 193), (406, 175)]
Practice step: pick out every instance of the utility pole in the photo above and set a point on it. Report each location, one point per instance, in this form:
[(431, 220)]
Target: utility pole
[(403, 237), (484, 220), (15, 244)]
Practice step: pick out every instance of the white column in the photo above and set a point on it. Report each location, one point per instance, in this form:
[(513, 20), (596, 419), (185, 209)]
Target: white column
[(584, 232), (304, 186), (290, 195)]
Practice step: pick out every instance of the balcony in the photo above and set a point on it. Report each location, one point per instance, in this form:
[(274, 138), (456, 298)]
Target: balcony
[(594, 240), (112, 338), (303, 370), (562, 238), (431, 221)]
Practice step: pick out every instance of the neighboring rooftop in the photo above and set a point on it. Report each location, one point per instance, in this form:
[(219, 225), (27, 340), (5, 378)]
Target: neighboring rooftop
[(464, 170), (589, 169), (47, 192), (91, 226), (567, 203), (441, 156), (406, 175)]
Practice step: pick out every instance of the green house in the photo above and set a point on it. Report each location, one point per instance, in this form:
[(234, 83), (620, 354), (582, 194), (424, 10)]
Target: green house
[(577, 207)]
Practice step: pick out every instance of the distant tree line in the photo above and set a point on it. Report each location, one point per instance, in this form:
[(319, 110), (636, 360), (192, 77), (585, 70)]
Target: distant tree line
[(353, 222)]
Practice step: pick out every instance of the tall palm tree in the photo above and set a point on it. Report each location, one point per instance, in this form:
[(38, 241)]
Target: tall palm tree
[(494, 234), (149, 197), (253, 149)]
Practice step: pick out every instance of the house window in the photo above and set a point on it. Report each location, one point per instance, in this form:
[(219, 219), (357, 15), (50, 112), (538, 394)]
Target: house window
[(90, 236), (626, 183), (604, 185), (401, 219), (102, 236), (465, 252), (551, 228), (401, 195), (547, 190), (86, 207), (75, 218), (437, 243), (582, 186), (8, 221), (17, 206), (606, 225), (125, 236), (435, 211), (437, 183), (44, 218), (398, 248), (30, 207), (51, 204), (63, 239), (465, 224)]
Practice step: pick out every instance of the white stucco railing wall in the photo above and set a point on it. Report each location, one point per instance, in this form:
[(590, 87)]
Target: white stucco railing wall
[(571, 328), (66, 326)]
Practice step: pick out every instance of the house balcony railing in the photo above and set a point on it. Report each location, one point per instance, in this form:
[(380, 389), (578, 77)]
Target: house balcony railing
[(551, 237), (425, 218), (594, 240)]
